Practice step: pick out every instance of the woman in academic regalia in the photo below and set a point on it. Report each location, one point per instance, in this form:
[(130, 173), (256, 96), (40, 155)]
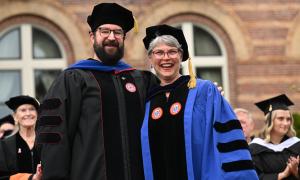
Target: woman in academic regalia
[(276, 152), (18, 155), (189, 130)]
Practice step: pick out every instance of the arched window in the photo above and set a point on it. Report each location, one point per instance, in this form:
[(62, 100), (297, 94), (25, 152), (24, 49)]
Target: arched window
[(30, 59), (208, 54)]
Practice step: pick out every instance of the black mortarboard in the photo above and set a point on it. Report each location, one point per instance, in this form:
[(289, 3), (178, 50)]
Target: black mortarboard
[(14, 102), (153, 31), (111, 13), (7, 119), (274, 103)]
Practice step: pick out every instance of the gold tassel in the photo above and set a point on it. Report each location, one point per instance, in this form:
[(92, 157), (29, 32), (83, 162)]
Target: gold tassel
[(136, 26), (192, 81), (270, 108)]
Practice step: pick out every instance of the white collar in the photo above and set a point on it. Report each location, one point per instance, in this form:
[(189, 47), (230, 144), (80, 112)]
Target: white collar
[(276, 147)]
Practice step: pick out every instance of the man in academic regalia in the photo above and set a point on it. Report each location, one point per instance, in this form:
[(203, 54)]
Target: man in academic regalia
[(89, 123)]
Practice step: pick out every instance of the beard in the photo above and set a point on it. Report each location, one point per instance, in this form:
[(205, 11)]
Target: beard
[(109, 59)]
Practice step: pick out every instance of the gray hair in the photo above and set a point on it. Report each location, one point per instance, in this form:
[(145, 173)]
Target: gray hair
[(242, 110), (164, 39)]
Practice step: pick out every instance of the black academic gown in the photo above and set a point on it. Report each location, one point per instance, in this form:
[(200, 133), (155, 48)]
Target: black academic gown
[(16, 157), (270, 159), (89, 125), (166, 130)]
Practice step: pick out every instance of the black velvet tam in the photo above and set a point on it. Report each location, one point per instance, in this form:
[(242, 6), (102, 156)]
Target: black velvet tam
[(111, 13), (7, 119), (14, 102)]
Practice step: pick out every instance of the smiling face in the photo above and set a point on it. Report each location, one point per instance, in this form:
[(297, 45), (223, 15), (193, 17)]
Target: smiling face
[(281, 123), (26, 115), (166, 62), (108, 43)]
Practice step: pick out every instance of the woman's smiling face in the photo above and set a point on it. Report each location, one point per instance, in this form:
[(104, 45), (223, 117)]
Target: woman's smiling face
[(282, 122), (26, 115), (166, 62)]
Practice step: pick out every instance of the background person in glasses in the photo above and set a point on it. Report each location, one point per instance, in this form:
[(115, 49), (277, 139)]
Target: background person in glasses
[(189, 130), (90, 120)]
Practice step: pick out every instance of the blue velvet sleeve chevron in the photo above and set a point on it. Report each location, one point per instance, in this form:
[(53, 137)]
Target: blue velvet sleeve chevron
[(215, 144)]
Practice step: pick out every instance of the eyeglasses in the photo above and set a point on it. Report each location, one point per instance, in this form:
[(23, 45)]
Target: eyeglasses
[(159, 54), (104, 32)]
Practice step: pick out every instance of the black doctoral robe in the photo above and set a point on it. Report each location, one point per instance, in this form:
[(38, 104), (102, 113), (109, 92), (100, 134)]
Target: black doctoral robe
[(166, 130), (89, 124), (270, 159), (16, 157)]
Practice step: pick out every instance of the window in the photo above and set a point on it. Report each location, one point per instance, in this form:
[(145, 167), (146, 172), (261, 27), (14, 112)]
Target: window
[(207, 53), (44, 47), (30, 59), (10, 85), (10, 45)]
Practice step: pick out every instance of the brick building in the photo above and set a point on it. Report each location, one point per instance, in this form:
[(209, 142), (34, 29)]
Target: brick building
[(251, 47)]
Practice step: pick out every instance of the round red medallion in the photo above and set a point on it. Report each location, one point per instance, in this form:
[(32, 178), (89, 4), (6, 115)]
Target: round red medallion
[(175, 108), (157, 113), (130, 87)]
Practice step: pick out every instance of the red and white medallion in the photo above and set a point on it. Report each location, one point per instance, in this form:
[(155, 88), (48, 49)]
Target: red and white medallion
[(175, 108), (157, 113), (130, 87)]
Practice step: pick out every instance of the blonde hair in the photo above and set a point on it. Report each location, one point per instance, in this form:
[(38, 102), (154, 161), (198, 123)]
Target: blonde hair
[(266, 133)]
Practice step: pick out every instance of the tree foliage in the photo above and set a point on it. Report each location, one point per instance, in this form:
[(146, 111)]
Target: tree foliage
[(296, 117)]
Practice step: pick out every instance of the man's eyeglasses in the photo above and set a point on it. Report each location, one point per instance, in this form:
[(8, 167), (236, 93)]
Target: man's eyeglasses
[(159, 54), (104, 32)]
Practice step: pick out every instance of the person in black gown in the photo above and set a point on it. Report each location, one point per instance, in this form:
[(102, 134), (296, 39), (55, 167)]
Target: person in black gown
[(276, 152), (90, 119), (18, 154)]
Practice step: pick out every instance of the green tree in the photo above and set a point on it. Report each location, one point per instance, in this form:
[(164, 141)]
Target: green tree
[(296, 117)]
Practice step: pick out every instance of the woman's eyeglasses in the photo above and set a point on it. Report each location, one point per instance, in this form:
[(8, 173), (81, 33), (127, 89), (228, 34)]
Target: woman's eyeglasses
[(159, 54)]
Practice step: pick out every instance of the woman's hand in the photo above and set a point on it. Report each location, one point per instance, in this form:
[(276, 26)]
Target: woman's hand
[(38, 174), (284, 173), (293, 164)]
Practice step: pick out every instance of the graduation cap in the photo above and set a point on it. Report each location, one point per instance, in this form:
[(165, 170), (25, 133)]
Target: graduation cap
[(14, 102), (111, 13), (7, 119), (154, 31), (274, 103)]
